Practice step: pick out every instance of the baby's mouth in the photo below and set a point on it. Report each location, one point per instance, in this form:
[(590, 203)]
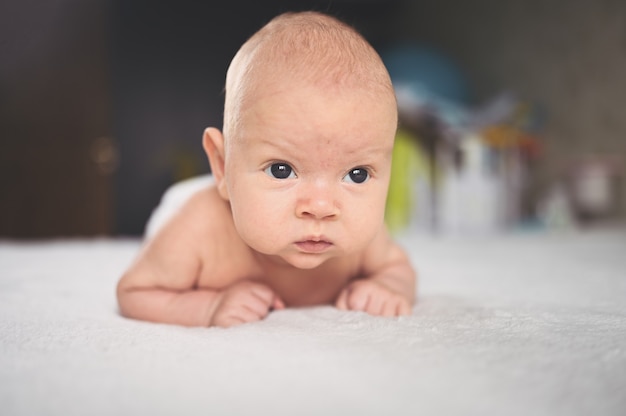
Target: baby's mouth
[(313, 245)]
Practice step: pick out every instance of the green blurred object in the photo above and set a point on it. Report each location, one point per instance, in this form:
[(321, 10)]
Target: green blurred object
[(409, 162)]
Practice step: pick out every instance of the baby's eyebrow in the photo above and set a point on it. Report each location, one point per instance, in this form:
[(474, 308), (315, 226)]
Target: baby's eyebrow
[(273, 145), (272, 142)]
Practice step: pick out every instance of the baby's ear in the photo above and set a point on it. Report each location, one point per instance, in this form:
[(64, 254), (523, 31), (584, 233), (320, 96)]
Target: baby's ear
[(213, 143)]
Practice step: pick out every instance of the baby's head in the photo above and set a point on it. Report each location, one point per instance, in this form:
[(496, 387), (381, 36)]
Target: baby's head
[(295, 49), (309, 122)]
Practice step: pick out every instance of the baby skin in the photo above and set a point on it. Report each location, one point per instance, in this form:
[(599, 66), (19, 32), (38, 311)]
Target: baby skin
[(301, 171)]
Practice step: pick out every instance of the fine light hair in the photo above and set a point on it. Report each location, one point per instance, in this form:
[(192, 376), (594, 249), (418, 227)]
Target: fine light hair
[(303, 48)]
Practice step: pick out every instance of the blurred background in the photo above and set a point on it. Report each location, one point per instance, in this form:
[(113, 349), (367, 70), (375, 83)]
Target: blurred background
[(512, 112)]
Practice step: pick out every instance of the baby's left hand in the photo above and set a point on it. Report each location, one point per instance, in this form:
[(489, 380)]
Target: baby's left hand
[(374, 298)]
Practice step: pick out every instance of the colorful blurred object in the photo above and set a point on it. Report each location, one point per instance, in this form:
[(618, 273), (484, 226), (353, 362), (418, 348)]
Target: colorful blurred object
[(410, 169), (427, 81), (502, 137), (456, 168)]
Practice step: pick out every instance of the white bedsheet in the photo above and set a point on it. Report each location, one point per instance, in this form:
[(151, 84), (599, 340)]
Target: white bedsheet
[(518, 325)]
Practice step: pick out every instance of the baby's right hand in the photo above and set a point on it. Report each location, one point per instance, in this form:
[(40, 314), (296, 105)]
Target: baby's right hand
[(243, 302)]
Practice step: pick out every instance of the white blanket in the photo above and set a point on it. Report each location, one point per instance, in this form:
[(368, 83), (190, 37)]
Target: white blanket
[(530, 324)]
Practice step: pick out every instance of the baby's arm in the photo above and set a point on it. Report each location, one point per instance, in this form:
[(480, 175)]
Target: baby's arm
[(242, 302), (388, 285), (163, 283)]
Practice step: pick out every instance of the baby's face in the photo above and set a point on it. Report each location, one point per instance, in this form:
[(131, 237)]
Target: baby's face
[(307, 174)]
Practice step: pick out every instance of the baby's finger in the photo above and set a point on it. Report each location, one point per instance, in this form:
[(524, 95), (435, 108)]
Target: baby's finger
[(404, 309), (375, 304), (390, 308), (358, 300), (227, 321), (342, 300), (278, 303), (264, 293), (250, 314), (256, 305)]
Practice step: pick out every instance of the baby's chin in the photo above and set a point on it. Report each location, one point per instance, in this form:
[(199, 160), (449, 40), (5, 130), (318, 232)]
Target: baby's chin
[(303, 261), (296, 260), (306, 261)]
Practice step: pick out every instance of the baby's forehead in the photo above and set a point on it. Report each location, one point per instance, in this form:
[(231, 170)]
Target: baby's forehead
[(367, 78), (310, 111)]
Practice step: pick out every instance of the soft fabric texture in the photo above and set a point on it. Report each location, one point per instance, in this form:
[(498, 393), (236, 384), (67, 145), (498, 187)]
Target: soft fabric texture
[(526, 324)]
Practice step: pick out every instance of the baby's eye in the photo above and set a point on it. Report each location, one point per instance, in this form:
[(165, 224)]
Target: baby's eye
[(357, 175), (280, 171)]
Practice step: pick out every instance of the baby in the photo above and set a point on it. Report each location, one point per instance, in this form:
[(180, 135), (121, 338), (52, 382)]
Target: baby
[(301, 171)]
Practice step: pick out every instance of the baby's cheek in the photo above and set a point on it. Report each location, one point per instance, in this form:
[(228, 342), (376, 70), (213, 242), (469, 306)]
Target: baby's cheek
[(260, 230), (365, 227)]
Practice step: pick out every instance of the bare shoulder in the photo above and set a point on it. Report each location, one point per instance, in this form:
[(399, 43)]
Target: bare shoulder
[(186, 251), (382, 252), (204, 212)]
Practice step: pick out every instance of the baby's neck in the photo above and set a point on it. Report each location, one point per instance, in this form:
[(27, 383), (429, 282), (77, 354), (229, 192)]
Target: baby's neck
[(305, 287)]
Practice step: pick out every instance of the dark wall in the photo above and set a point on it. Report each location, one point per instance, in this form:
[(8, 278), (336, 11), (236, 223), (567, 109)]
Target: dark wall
[(57, 158)]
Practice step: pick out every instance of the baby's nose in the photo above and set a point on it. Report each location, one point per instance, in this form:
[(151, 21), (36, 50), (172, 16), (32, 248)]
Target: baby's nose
[(317, 202)]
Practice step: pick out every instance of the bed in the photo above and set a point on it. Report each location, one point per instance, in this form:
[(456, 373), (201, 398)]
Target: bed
[(520, 324)]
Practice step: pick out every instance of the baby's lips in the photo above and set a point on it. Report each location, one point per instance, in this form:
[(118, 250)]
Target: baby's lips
[(314, 246)]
